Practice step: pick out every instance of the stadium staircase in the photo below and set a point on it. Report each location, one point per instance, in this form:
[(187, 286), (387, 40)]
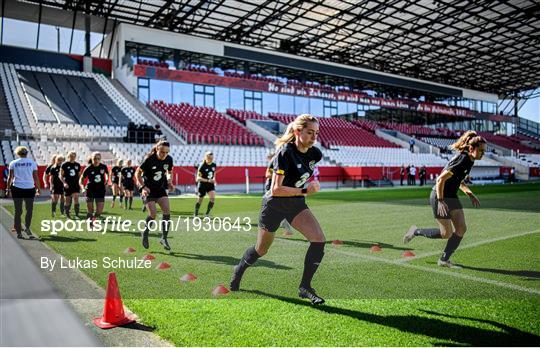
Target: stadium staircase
[(5, 119)]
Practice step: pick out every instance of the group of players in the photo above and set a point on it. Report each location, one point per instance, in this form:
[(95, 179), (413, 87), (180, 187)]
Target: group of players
[(284, 202), (152, 179), (66, 182)]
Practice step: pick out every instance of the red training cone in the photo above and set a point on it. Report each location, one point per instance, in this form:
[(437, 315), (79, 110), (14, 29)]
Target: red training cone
[(130, 250), (337, 242), (113, 311), (220, 290), (190, 277), (163, 265), (149, 257), (375, 248), (408, 253)]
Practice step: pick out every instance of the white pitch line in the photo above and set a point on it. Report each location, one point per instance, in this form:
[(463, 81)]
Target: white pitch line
[(455, 274), (471, 245)]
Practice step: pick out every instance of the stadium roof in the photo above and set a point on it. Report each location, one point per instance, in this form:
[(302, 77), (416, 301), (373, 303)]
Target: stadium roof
[(492, 46)]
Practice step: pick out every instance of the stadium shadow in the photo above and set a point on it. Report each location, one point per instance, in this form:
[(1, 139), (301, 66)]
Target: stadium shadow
[(175, 213), (223, 260), (528, 274), (64, 239), (495, 197), (357, 244), (436, 328), (530, 339)]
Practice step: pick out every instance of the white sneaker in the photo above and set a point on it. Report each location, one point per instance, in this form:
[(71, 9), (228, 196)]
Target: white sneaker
[(409, 235), (448, 264)]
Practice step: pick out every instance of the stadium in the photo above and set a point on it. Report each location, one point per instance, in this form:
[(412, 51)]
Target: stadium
[(373, 104)]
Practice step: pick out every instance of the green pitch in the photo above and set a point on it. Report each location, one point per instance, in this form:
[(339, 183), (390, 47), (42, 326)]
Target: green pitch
[(372, 298)]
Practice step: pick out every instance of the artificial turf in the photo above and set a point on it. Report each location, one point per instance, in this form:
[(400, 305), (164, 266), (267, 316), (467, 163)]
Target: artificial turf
[(372, 298)]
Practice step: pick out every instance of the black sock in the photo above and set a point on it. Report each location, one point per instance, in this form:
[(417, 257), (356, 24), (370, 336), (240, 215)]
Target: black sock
[(76, 209), (451, 246), (53, 207), (146, 228), (113, 198), (428, 232), (121, 198), (165, 225), (89, 215), (67, 207), (130, 202), (197, 206), (314, 256), (248, 259), (210, 206), (62, 206)]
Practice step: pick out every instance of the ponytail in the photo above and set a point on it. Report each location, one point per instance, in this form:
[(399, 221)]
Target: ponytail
[(298, 124), (470, 139)]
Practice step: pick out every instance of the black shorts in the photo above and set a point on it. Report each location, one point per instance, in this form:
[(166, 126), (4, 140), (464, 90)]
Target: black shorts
[(128, 185), (275, 209), (115, 180), (155, 194), (72, 188), (58, 189), (17, 193), (95, 195), (204, 188), (453, 203)]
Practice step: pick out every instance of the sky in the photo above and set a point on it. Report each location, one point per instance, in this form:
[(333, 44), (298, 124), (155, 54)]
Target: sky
[(13, 29)]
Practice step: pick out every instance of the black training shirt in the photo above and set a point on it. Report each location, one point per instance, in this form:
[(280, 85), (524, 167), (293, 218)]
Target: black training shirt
[(460, 166), (114, 172), (207, 171), (54, 172), (155, 171), (96, 177), (268, 182), (71, 172), (297, 167), (127, 174)]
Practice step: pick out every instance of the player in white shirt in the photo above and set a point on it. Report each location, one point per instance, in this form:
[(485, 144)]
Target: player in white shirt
[(23, 185)]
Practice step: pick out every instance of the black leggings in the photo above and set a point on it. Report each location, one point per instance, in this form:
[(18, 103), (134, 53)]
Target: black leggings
[(19, 196)]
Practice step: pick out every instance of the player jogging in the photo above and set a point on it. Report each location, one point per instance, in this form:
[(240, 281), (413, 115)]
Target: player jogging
[(97, 175), (447, 208), (70, 175), (153, 179), (206, 180), (293, 165), (127, 182)]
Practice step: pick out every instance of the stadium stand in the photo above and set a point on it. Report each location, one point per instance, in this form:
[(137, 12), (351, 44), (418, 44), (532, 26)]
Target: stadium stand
[(153, 63), (104, 113), (338, 132), (243, 115), (528, 160), (44, 150), (526, 138), (188, 155), (5, 119), (442, 143), (349, 156), (203, 125), (59, 98), (507, 142)]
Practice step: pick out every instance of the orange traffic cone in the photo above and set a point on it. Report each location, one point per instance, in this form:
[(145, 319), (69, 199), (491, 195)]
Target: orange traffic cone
[(113, 311)]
